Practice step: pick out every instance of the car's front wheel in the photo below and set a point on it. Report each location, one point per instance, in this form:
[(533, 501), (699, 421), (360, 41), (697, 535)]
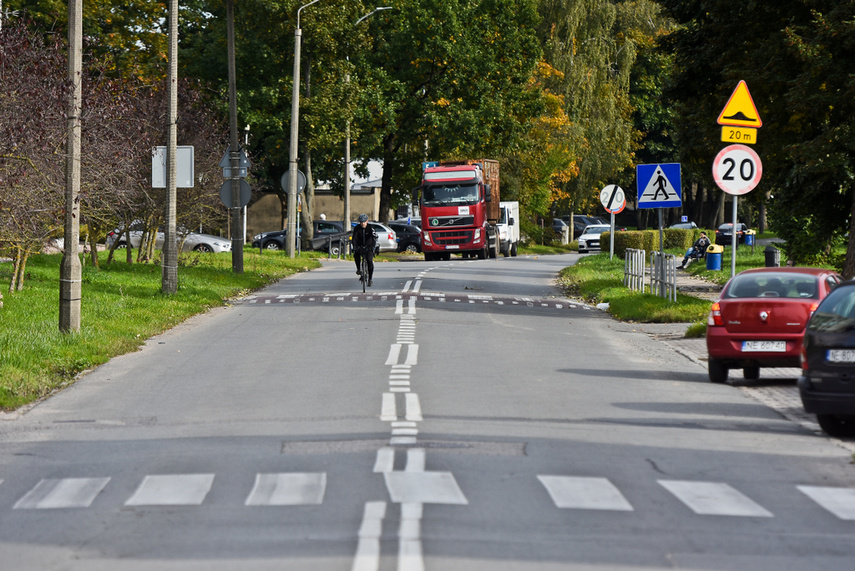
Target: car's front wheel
[(836, 424), (204, 248), (272, 246), (411, 249), (717, 371)]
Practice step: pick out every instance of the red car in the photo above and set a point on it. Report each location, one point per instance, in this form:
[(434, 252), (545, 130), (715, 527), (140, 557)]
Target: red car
[(760, 319)]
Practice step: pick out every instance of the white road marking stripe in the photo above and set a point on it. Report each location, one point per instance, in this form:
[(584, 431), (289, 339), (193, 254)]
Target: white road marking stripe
[(415, 460), (413, 407), (399, 383), (172, 490), (402, 440), (399, 389), (712, 498), (290, 489), (385, 461), (418, 286), (388, 407), (407, 286), (839, 501), (404, 424), (399, 307), (367, 556), (412, 306), (394, 352), (584, 493), (424, 488), (412, 355), (398, 377), (405, 432), (62, 493)]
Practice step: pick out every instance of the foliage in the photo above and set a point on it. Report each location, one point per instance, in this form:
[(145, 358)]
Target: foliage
[(122, 307)]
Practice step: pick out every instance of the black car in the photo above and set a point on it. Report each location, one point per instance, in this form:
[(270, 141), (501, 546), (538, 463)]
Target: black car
[(724, 233), (827, 384), (409, 237), (328, 236)]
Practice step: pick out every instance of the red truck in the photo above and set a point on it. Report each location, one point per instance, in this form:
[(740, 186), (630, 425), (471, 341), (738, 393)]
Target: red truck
[(459, 204)]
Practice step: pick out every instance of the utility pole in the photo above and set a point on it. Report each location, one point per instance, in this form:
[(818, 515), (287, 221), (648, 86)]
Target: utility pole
[(238, 232), (71, 272), (169, 254)]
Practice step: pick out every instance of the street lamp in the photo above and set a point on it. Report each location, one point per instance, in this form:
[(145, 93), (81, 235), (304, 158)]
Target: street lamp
[(292, 153), (347, 137)]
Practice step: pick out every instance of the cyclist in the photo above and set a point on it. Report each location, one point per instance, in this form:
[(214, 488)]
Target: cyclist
[(364, 242)]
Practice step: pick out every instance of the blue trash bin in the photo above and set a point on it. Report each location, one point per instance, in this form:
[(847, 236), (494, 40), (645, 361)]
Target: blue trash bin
[(749, 239), (714, 252)]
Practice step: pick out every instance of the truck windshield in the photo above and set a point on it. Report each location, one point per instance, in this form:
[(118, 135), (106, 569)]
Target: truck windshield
[(438, 195)]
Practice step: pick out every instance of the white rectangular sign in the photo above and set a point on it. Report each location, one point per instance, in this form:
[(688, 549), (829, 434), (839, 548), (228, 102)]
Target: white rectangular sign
[(184, 163)]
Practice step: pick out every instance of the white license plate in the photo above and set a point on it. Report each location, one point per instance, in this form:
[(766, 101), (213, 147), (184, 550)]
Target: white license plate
[(764, 346), (452, 247), (840, 356)]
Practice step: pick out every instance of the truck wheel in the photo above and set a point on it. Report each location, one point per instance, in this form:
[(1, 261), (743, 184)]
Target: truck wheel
[(514, 250), (430, 256), (482, 254)]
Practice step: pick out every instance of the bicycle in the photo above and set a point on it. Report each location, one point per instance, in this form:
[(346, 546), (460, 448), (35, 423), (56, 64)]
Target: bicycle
[(363, 267)]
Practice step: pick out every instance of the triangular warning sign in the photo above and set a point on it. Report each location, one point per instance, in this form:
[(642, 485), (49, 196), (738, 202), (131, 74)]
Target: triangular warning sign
[(740, 110), (659, 189)]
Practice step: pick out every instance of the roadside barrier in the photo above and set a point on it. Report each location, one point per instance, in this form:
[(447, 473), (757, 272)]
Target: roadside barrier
[(663, 276), (633, 269)]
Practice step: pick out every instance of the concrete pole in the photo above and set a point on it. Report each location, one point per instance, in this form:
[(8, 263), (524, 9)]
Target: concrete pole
[(169, 254), (71, 272), (234, 155)]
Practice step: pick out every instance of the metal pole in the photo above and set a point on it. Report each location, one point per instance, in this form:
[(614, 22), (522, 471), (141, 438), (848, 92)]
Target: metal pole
[(237, 232), (71, 273), (661, 268), (611, 238), (169, 253), (733, 241)]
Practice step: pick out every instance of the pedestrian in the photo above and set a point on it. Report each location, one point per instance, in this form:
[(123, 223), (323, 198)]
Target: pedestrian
[(696, 252), (323, 216)]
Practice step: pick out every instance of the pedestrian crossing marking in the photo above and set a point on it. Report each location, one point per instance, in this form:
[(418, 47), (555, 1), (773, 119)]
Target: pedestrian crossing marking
[(839, 501), (172, 490), (712, 498), (584, 493), (62, 493), (288, 489), (424, 488)]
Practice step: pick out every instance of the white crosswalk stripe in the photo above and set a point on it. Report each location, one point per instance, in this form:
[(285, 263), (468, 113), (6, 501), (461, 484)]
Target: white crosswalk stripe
[(584, 493), (292, 489), (172, 490), (713, 498), (839, 501), (62, 493)]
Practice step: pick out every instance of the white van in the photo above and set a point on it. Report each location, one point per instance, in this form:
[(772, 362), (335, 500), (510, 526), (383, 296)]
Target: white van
[(509, 227)]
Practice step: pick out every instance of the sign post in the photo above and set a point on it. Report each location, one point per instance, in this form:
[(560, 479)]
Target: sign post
[(613, 199)]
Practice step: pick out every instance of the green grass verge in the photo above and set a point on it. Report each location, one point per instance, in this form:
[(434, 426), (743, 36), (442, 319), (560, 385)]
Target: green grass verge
[(596, 279), (121, 307)]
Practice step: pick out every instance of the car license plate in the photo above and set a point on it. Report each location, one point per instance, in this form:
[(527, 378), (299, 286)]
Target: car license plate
[(453, 247), (764, 346), (840, 356)]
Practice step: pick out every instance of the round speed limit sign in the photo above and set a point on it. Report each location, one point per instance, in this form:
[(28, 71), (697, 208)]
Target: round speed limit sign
[(737, 169)]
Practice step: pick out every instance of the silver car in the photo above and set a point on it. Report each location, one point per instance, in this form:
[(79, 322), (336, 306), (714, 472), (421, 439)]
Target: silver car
[(188, 241), (387, 240), (590, 238)]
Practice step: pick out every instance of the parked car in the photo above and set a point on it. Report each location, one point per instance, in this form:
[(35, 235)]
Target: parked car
[(323, 231), (760, 319), (188, 241), (558, 226), (408, 236), (827, 384), (724, 233), (417, 222), (684, 226), (590, 238)]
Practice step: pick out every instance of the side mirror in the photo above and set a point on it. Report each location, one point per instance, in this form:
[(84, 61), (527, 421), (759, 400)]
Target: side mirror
[(487, 196), (511, 221)]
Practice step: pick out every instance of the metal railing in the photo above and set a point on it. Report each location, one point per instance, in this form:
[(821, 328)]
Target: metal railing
[(663, 276), (633, 269)]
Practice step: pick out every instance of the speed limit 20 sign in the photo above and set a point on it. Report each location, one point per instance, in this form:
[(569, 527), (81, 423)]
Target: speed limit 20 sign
[(737, 169)]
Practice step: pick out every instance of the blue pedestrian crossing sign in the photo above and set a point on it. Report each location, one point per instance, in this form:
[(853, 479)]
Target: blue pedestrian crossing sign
[(659, 185)]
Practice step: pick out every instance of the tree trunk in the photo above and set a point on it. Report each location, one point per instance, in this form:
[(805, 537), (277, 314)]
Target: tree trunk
[(16, 262), (307, 215), (849, 263), (22, 268), (386, 185)]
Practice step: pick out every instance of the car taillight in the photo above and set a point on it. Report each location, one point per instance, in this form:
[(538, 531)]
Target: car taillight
[(813, 307), (715, 316)]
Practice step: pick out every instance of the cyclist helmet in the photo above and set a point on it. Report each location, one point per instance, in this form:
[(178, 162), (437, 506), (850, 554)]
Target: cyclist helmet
[(363, 218)]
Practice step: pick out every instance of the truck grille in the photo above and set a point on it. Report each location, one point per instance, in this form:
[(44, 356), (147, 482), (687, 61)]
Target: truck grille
[(451, 237), (446, 221)]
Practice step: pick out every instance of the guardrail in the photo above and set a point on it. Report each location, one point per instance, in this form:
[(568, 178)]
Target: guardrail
[(663, 276), (633, 269)]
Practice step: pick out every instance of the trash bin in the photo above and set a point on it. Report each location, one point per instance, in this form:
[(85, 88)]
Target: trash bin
[(749, 237), (773, 256), (714, 252)]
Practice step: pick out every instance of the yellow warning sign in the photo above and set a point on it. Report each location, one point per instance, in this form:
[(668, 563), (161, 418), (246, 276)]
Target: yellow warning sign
[(740, 110)]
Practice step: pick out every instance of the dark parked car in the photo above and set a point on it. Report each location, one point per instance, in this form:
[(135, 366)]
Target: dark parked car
[(684, 226), (324, 230), (827, 384), (409, 237), (724, 233), (760, 319)]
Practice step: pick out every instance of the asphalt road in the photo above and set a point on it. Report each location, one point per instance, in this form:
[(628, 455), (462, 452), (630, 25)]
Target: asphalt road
[(459, 416)]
